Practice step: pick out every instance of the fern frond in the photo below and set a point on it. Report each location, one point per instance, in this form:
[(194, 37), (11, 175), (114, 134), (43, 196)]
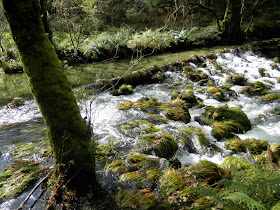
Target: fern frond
[(241, 198)]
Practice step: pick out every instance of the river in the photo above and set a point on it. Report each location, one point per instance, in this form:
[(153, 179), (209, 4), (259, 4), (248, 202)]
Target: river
[(107, 119)]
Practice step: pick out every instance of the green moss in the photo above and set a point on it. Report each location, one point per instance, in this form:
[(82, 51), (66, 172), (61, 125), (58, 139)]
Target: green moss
[(123, 90), (234, 119), (17, 102), (157, 119), (162, 144), (115, 166), (175, 94), (236, 164), (176, 110), (276, 59), (235, 145), (17, 178), (226, 129), (255, 146), (257, 88), (271, 97), (189, 97), (138, 127), (136, 199), (238, 79), (226, 86)]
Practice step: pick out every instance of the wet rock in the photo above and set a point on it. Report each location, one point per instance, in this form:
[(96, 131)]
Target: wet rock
[(257, 88), (237, 79), (163, 145), (123, 90), (16, 102), (226, 121), (176, 110), (251, 145), (138, 127), (270, 97)]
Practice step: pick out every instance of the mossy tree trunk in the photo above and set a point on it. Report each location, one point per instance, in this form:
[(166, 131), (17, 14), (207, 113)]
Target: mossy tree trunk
[(68, 132), (232, 21)]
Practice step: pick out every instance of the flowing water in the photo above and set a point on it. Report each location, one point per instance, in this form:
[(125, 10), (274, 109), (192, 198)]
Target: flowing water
[(106, 118)]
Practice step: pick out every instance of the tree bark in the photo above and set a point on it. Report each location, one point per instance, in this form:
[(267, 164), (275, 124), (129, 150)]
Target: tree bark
[(232, 21), (68, 132)]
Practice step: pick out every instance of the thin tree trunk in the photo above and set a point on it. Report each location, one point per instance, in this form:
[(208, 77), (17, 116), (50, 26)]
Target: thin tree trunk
[(68, 132)]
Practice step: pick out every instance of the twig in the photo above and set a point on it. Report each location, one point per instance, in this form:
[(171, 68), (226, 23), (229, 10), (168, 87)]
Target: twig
[(32, 191)]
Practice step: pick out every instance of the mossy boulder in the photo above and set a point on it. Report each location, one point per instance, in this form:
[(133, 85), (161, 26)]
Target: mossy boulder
[(254, 146), (270, 97), (257, 88), (237, 79), (163, 145), (144, 104), (226, 129), (123, 90), (217, 93), (194, 74), (236, 164), (16, 102), (275, 151), (225, 121), (235, 145), (189, 97), (175, 94), (205, 171), (138, 127), (176, 110)]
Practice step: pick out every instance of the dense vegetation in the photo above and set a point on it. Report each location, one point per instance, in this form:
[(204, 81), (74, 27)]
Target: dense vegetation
[(86, 31)]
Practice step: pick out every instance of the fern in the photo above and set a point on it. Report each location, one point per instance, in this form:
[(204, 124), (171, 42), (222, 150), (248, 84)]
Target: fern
[(240, 198)]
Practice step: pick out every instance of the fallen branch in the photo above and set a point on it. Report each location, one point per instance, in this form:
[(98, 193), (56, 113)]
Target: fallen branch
[(34, 188)]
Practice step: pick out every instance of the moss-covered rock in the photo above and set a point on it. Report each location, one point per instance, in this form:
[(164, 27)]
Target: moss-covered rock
[(217, 93), (235, 145), (175, 94), (257, 88), (270, 97), (236, 164), (276, 59), (123, 90), (16, 102), (143, 104), (226, 129), (205, 171), (237, 79), (138, 127), (176, 110), (275, 151), (254, 146), (163, 145), (234, 119), (189, 97)]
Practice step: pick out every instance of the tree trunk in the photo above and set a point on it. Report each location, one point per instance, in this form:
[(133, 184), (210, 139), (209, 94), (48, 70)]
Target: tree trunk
[(232, 21), (68, 132)]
